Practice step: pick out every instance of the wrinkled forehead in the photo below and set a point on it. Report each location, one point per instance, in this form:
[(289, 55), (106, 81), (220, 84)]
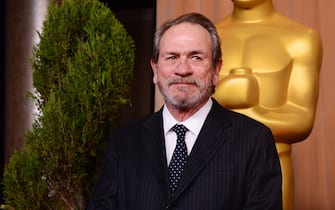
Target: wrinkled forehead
[(186, 32)]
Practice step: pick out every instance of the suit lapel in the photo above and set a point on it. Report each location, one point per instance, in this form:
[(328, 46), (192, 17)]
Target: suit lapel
[(211, 137), (218, 120), (154, 146)]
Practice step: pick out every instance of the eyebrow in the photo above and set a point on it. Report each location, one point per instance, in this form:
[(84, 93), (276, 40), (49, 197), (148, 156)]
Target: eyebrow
[(197, 52), (193, 52)]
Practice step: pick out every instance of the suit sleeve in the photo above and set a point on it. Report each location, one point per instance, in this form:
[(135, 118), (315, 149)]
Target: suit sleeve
[(105, 194), (264, 179)]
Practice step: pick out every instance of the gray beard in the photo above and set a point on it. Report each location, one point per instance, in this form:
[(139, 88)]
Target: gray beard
[(189, 102)]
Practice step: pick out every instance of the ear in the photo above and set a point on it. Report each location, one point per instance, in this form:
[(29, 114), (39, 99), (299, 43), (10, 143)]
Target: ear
[(216, 73), (154, 70)]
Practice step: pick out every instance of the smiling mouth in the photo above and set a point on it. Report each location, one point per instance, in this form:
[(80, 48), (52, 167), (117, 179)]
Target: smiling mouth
[(182, 86), (183, 82)]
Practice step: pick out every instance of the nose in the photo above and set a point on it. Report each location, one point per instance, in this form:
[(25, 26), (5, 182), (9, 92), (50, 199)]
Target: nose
[(183, 68)]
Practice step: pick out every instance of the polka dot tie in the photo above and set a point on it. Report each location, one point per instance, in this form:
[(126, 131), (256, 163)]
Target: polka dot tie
[(178, 159)]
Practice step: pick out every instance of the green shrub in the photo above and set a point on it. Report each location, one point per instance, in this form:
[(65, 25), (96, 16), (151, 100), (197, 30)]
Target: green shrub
[(82, 70)]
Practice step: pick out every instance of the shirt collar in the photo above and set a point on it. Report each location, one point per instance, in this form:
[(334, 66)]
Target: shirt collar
[(193, 123)]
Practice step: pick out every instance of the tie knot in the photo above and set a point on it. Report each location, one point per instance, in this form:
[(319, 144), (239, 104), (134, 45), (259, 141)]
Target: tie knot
[(180, 130)]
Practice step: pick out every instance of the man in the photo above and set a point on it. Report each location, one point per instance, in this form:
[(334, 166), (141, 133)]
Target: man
[(231, 161)]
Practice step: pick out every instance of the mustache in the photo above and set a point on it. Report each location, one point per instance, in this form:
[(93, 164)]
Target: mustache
[(172, 81)]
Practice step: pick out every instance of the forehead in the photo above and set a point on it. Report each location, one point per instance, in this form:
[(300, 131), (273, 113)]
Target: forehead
[(186, 34)]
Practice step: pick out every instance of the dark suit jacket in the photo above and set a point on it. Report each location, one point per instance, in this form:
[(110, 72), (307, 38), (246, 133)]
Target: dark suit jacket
[(233, 165)]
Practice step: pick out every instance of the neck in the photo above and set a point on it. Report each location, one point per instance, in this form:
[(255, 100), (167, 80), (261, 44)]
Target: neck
[(183, 114), (253, 13)]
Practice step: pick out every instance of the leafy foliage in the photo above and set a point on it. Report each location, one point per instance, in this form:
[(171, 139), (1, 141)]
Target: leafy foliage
[(82, 70)]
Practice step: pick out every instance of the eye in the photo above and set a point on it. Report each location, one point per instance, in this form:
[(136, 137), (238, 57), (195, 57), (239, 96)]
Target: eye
[(172, 57), (196, 58)]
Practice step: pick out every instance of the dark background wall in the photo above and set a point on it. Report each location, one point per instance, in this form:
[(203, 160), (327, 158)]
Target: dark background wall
[(2, 85), (139, 18)]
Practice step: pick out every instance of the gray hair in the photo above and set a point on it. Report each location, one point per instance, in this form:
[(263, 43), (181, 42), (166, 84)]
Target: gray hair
[(193, 18)]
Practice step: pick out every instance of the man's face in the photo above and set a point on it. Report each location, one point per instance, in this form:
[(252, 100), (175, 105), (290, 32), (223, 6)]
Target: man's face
[(184, 72)]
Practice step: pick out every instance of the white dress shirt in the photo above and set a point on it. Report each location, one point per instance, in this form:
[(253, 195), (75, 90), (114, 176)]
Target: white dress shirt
[(193, 124)]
